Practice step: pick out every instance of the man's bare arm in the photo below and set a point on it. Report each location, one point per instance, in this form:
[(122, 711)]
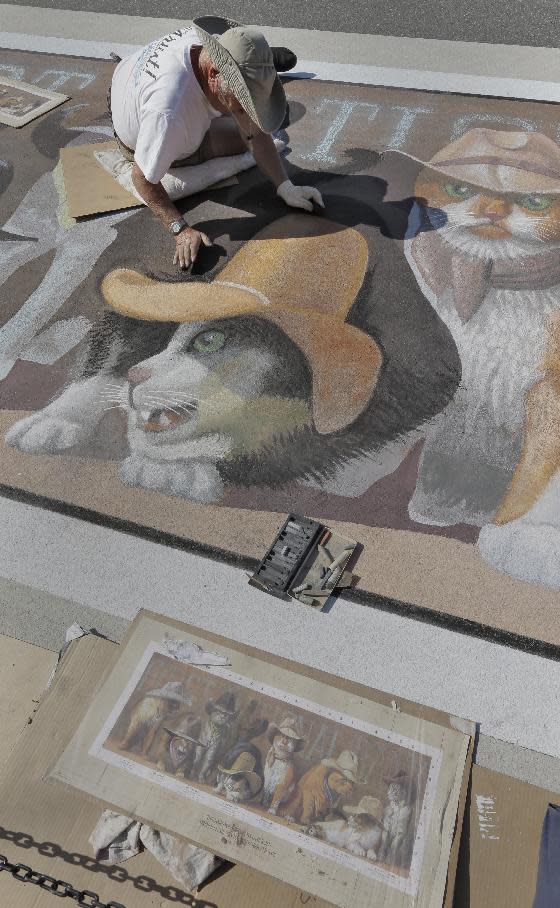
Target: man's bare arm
[(155, 197), (187, 243)]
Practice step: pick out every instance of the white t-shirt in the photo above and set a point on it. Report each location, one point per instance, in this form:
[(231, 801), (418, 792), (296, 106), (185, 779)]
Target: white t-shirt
[(158, 106)]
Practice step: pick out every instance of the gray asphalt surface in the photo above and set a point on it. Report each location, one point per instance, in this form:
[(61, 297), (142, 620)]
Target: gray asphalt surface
[(536, 23)]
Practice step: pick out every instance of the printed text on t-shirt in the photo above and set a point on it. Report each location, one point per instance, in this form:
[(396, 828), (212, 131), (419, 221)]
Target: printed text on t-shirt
[(150, 63)]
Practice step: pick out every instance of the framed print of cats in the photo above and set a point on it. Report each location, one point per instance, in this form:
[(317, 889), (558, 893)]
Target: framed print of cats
[(265, 765), (20, 102)]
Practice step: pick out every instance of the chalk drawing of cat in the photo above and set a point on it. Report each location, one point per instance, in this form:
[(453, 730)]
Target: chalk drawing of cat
[(490, 267)]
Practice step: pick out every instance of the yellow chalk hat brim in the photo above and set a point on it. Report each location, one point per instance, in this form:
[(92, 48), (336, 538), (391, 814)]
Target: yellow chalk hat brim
[(138, 296), (345, 362)]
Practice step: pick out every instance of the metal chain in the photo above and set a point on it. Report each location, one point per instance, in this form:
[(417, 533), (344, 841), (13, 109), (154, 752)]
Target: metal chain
[(25, 874)]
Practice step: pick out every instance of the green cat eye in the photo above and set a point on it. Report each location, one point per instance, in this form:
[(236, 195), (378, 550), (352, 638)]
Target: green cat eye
[(459, 190), (536, 202), (209, 341)]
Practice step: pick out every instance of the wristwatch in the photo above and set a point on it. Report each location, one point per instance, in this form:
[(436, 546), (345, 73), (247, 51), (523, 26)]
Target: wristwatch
[(177, 226)]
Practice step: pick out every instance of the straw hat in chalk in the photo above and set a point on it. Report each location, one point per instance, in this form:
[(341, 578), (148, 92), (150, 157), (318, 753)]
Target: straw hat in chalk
[(372, 806), (301, 272), (497, 160), (243, 57), (172, 690)]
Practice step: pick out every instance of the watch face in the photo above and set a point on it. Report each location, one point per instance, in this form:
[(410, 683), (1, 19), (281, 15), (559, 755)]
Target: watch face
[(177, 226)]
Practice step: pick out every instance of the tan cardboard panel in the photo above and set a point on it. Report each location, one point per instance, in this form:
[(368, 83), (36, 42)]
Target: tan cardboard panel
[(24, 674), (499, 855), (43, 813), (89, 188)]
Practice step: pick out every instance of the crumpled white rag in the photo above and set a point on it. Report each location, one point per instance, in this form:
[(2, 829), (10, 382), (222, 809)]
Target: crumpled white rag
[(117, 838), (184, 181)]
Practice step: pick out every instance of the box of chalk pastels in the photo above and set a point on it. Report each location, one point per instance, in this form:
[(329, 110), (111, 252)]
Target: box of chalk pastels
[(307, 561)]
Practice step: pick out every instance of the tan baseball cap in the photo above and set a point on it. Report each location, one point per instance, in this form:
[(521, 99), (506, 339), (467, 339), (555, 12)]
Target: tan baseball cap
[(243, 56)]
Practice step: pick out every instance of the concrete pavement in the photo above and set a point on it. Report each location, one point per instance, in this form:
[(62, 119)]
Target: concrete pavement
[(100, 578)]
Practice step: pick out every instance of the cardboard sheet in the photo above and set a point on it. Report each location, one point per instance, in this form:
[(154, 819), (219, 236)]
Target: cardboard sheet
[(48, 813), (24, 674), (501, 838), (89, 188)]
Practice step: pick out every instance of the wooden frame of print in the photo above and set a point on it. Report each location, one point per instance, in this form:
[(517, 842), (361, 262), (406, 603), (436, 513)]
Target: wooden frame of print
[(163, 733), (39, 101)]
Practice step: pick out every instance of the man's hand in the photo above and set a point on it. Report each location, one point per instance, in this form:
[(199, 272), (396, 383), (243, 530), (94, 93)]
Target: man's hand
[(187, 246), (300, 196)]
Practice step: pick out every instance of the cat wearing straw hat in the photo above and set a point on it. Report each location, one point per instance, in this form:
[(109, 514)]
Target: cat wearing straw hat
[(484, 248), (147, 714), (491, 270), (360, 832), (254, 377)]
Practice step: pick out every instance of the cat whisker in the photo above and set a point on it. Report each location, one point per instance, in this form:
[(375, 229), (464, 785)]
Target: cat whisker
[(178, 402), (178, 394), (165, 405), (158, 399), (191, 401)]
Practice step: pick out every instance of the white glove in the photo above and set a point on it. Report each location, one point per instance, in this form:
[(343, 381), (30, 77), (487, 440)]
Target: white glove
[(299, 196)]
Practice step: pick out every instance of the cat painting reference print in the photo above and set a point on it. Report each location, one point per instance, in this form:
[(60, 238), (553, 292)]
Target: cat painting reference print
[(277, 760), (255, 762)]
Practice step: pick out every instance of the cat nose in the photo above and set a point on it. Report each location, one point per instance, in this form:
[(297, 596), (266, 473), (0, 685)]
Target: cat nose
[(137, 374), (494, 209)]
